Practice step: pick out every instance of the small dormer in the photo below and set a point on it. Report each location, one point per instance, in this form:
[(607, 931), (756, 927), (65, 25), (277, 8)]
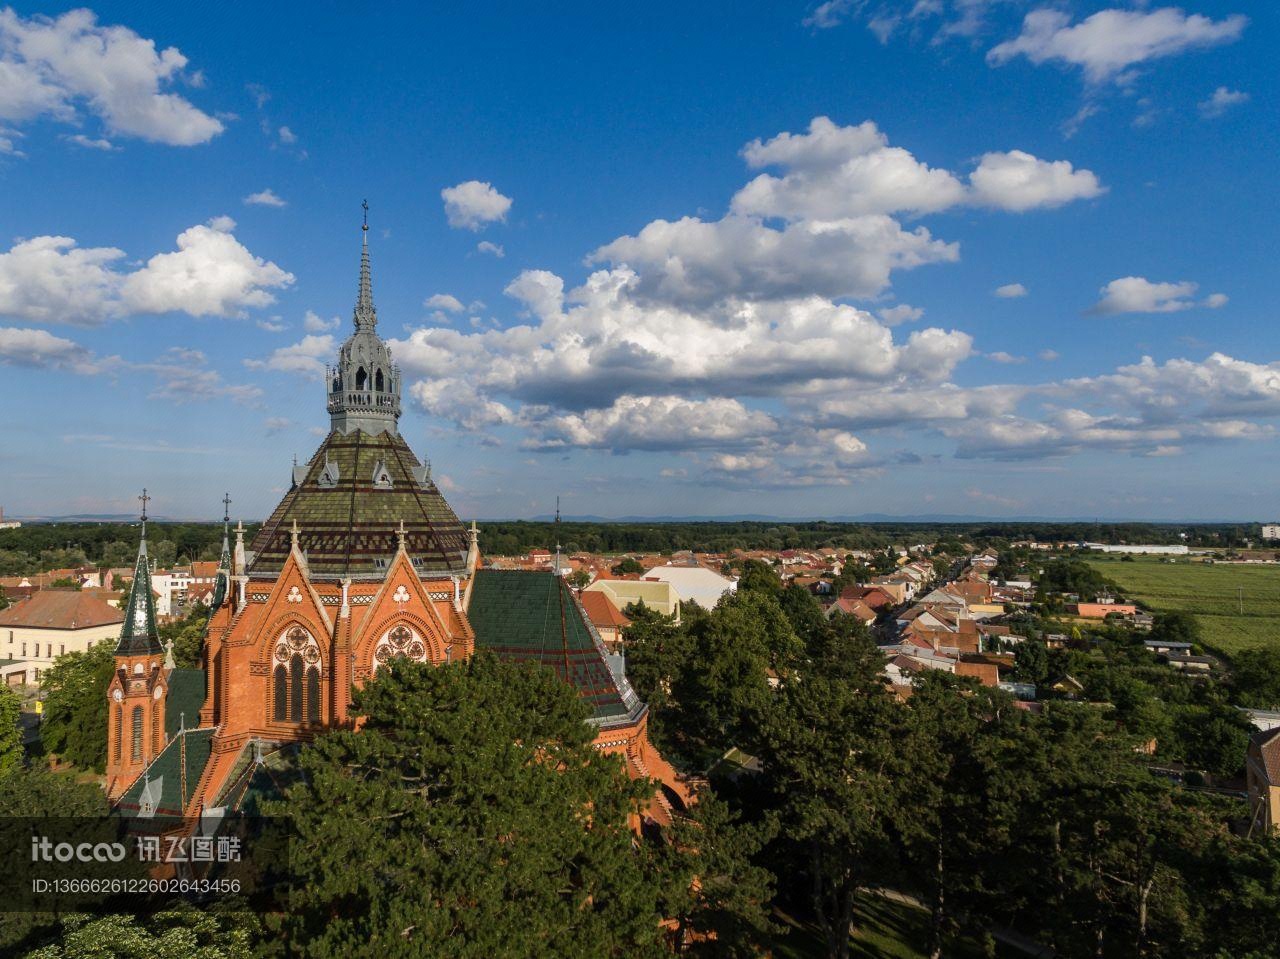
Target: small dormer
[(381, 476), (329, 476)]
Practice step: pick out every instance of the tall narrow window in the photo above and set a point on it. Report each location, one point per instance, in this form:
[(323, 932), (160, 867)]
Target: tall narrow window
[(377, 380), (295, 688), (119, 731), (281, 696), (136, 734), (313, 695), (361, 378)]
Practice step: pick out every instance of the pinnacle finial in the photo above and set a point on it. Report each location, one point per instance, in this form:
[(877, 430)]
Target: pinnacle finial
[(293, 535), (400, 534), (366, 317)]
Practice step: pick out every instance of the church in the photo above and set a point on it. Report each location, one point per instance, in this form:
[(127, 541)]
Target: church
[(363, 560)]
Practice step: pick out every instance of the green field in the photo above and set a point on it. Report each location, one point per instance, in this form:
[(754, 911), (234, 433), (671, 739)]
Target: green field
[(1212, 592)]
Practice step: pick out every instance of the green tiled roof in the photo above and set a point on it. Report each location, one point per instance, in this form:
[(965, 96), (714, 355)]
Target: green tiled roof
[(348, 527), (533, 616), (186, 696), (264, 770), (174, 774), (138, 632)]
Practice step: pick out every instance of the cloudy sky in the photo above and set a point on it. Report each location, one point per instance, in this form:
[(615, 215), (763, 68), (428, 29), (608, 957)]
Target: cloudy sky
[(985, 257)]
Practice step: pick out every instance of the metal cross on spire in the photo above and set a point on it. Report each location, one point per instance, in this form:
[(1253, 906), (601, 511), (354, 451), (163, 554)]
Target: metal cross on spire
[(364, 205), (145, 499), (226, 507)]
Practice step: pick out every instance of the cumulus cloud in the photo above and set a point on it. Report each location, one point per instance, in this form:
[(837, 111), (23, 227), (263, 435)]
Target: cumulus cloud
[(1108, 43), (307, 357), (51, 279), (493, 249), (312, 322), (443, 301), (1221, 101), (40, 349), (732, 341), (265, 197), (1018, 181), (902, 313), (835, 172), (1011, 291), (183, 376), (1136, 294), (64, 67), (473, 205)]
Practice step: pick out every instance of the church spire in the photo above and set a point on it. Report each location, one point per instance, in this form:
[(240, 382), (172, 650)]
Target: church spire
[(366, 317), (222, 582), (138, 634)]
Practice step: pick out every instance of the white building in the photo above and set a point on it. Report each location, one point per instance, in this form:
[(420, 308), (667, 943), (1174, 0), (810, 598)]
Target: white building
[(48, 624), (695, 583), (1271, 530)]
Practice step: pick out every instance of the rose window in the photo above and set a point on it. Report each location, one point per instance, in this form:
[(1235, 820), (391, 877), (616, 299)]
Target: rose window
[(400, 641)]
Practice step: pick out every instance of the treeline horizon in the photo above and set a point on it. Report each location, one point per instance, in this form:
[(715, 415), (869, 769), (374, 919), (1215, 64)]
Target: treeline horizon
[(105, 543)]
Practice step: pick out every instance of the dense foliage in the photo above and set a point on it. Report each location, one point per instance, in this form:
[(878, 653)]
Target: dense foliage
[(36, 547)]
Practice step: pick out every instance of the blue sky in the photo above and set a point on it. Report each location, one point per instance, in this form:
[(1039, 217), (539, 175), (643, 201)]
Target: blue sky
[(742, 258)]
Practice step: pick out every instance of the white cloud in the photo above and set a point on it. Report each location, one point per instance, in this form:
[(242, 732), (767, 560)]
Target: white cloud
[(210, 274), (40, 349), (58, 67), (182, 376), (272, 325), (1221, 101), (472, 205), (897, 315), (287, 136), (265, 197), (312, 322), (655, 423), (1017, 181), (443, 301), (91, 143), (50, 279), (307, 357), (493, 249), (276, 424), (541, 292), (1215, 300), (1136, 294), (695, 261), (1109, 42), (1011, 291), (1048, 355), (1001, 356)]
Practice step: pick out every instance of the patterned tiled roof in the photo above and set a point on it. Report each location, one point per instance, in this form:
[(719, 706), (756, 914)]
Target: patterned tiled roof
[(186, 696), (349, 505), (533, 616), (171, 779)]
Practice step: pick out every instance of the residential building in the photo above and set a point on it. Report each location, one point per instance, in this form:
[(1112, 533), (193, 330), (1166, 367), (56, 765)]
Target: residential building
[(605, 617), (1262, 772), (51, 622)]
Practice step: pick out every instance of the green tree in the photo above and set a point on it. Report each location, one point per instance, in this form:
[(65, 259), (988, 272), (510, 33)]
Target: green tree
[(184, 933), (1255, 677), (832, 767), (627, 567), (470, 816), (722, 899), (187, 636), (1175, 626), (74, 724), (1031, 661), (580, 579), (758, 576), (11, 750)]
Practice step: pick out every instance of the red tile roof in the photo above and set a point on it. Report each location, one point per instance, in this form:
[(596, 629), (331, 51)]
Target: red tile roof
[(602, 612), (61, 609)]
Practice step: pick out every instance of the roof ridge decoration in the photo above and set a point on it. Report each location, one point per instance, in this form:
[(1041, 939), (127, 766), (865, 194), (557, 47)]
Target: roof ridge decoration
[(138, 634)]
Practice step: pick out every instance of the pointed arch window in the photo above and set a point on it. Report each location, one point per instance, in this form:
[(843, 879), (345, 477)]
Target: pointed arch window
[(280, 695), (135, 752), (313, 695), (295, 680), (361, 378)]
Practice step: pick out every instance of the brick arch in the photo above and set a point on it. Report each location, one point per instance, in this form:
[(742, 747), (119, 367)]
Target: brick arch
[(268, 639), (370, 637), (269, 636)]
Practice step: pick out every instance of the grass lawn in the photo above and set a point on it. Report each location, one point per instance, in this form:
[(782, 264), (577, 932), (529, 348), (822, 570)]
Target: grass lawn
[(883, 930), (1209, 591)]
